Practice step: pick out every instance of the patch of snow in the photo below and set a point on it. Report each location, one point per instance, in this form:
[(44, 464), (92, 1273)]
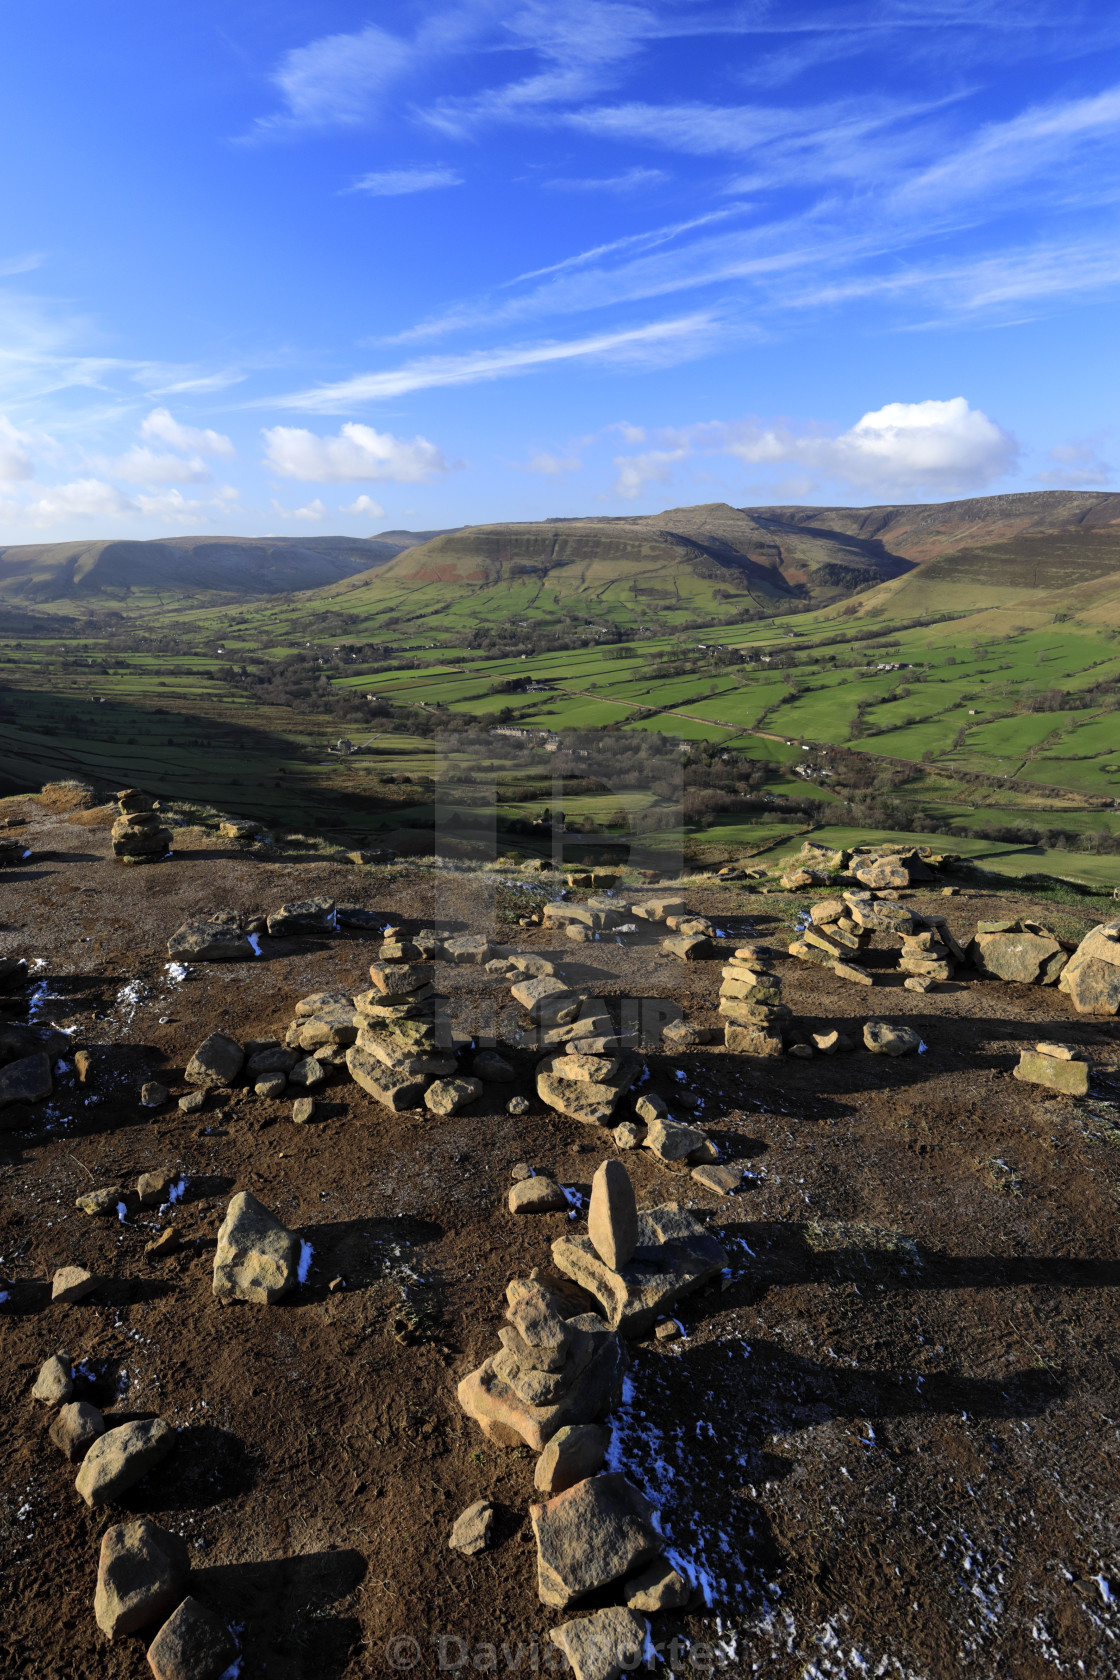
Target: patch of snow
[(61, 1067), (177, 1190), (922, 1047), (574, 1200), (176, 972), (305, 1255), (255, 941)]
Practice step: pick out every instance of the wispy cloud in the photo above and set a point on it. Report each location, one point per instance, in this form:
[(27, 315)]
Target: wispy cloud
[(334, 82), (631, 180), (395, 183), (658, 341)]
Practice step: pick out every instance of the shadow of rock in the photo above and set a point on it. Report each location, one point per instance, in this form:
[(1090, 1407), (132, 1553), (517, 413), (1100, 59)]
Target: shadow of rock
[(283, 1606), (207, 1465), (364, 1252)]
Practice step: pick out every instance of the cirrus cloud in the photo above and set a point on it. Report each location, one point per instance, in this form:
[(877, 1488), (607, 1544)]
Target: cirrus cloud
[(15, 462), (356, 455)]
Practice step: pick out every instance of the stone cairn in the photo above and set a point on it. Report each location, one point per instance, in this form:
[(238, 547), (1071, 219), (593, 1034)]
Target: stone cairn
[(558, 1373), (138, 834), (750, 1001), (403, 1040), (839, 929)]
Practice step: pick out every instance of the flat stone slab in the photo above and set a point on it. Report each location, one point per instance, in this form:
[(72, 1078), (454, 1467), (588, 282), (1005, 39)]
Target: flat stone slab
[(394, 1091), (210, 942), (590, 1535), (1056, 1072), (674, 1256), (603, 1646)]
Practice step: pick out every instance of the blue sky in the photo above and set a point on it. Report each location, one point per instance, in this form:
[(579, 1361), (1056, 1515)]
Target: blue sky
[(327, 268)]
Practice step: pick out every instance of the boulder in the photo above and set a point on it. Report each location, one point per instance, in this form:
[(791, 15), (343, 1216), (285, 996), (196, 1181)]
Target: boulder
[(117, 1460), (612, 1218), (256, 1257), (468, 948), (308, 1072), (276, 1059), (303, 1111), (448, 1096), (882, 873), (142, 1574), (603, 1646), (590, 1535), (54, 1385), (73, 1283), (107, 1202), (724, 1180), (539, 1194), (671, 1141), (191, 1645), (674, 1256), (153, 1094), (316, 1002), (217, 1061), (1058, 1072), (689, 947), (883, 1039), (1091, 978), (399, 980), (205, 941), (307, 916), (573, 1454), (629, 1135), (1026, 958), (27, 1080), (470, 1533), (75, 1428)]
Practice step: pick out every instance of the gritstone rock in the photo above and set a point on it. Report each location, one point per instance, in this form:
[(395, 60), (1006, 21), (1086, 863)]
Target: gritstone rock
[(27, 1080), (54, 1385), (723, 1180), (303, 1111), (493, 1068), (537, 1195), (308, 916), (256, 1257), (448, 1096), (551, 1371), (590, 1100), (210, 942), (217, 1061), (471, 1531), (675, 1255), (141, 1575), (272, 1085), (191, 1645), (117, 1460), (73, 1283), (573, 1454), (882, 1039), (670, 1141), (628, 1135), (689, 947), (153, 1094), (590, 1535), (75, 1428), (612, 1219), (658, 1587), (107, 1202), (517, 1105), (1091, 978), (467, 948), (1027, 955), (1057, 1072), (398, 1092), (603, 1646), (308, 1072)]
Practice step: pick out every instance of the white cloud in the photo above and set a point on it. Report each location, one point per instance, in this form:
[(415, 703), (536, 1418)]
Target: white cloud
[(313, 510), (636, 471), (659, 340), (393, 183), (82, 498), (160, 427), (552, 465), (366, 506), (334, 82), (146, 466), (1077, 467), (15, 462), (178, 509), (356, 455), (944, 447)]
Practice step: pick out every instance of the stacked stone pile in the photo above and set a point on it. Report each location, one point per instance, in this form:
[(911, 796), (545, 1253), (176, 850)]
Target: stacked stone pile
[(403, 1039), (557, 1367), (750, 1001), (835, 936), (12, 852), (138, 835), (929, 955)]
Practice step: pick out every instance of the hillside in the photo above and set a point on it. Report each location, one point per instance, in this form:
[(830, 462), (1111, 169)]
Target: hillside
[(41, 572)]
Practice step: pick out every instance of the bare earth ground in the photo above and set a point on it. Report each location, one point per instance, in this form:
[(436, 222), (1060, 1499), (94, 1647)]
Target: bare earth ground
[(889, 1443)]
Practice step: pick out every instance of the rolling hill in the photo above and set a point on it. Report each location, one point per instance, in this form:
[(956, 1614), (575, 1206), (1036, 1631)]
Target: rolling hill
[(42, 572)]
